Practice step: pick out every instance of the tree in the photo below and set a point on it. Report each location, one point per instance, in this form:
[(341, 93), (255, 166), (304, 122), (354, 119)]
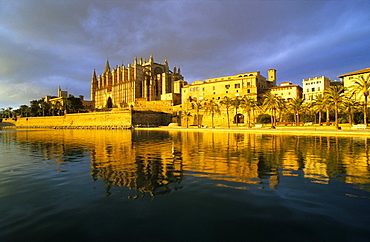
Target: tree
[(198, 105), (272, 102), (35, 109), (73, 104), (56, 108), (186, 115), (248, 106), (319, 105), (213, 108), (362, 85), (6, 112), (335, 94), (296, 105), (23, 111), (236, 103), (349, 106), (45, 107), (227, 103)]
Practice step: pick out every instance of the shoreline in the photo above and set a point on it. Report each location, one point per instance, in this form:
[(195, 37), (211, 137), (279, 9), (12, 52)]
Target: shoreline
[(288, 130)]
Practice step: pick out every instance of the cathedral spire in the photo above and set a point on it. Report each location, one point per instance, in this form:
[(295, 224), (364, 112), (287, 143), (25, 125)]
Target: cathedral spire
[(93, 78), (107, 67)]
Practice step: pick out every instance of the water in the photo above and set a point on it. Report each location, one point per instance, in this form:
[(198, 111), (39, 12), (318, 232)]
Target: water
[(123, 185)]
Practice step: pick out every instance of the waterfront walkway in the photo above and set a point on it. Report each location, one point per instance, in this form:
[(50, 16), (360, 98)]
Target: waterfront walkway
[(345, 130)]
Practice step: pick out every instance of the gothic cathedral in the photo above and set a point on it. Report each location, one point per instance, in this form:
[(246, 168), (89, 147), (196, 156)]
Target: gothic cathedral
[(141, 81)]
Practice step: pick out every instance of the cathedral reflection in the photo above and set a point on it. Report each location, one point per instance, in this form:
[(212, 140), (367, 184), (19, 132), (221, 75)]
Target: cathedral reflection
[(140, 161), (157, 162)]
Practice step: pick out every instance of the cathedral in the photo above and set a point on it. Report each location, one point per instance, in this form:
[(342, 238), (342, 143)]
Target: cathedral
[(142, 81)]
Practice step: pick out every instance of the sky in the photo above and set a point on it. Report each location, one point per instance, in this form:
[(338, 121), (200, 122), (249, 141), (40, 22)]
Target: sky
[(52, 43)]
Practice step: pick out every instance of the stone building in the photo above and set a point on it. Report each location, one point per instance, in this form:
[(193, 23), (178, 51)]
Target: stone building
[(62, 95), (251, 84), (316, 86), (349, 80), (287, 91), (143, 81)]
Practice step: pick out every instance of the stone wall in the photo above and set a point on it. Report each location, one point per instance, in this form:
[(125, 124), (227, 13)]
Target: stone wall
[(113, 118), (148, 118)]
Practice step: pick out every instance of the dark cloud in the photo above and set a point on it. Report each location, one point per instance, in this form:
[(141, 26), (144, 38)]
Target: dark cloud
[(46, 44)]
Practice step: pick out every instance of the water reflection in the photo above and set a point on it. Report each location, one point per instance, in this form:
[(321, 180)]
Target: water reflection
[(156, 162)]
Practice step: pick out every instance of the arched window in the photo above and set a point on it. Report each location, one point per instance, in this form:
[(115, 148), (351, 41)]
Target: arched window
[(239, 118), (109, 103)]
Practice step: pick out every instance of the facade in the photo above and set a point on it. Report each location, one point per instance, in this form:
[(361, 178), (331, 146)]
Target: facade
[(287, 91), (88, 105), (144, 81), (316, 86), (350, 78), (251, 84)]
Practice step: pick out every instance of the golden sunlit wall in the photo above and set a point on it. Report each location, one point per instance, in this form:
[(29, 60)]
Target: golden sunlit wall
[(250, 85)]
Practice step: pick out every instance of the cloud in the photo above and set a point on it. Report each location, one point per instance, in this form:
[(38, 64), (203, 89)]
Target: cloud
[(46, 44)]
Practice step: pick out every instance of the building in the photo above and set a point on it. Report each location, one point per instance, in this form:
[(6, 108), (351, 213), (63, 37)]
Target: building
[(62, 95), (287, 91), (251, 85), (316, 86), (143, 81), (349, 80)]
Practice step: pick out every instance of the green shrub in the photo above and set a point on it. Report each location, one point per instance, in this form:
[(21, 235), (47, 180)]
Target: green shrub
[(264, 119)]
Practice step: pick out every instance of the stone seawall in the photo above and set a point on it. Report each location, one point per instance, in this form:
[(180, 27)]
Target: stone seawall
[(97, 119)]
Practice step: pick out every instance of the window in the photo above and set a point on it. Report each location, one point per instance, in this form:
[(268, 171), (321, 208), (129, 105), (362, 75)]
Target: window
[(237, 85), (313, 89), (227, 86), (214, 88), (318, 88), (248, 90), (203, 89)]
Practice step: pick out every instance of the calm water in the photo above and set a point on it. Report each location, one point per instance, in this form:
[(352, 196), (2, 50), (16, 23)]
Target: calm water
[(87, 185)]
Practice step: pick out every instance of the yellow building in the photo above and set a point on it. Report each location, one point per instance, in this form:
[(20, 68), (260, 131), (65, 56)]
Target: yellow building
[(349, 80), (316, 86), (251, 84), (142, 81), (287, 91), (62, 95)]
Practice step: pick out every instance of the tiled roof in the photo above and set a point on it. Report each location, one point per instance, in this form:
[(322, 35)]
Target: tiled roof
[(366, 70)]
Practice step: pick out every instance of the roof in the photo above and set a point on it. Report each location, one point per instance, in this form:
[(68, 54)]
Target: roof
[(281, 87), (366, 70)]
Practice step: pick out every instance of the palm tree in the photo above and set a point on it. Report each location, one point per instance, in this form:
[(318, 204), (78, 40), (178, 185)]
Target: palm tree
[(272, 102), (44, 107), (227, 102), (362, 85), (213, 108), (319, 105), (236, 103), (335, 94), (296, 105), (186, 115), (198, 104), (248, 105), (349, 105)]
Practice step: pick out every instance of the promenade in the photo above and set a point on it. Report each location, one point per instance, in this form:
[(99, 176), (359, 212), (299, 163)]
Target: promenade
[(345, 130)]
